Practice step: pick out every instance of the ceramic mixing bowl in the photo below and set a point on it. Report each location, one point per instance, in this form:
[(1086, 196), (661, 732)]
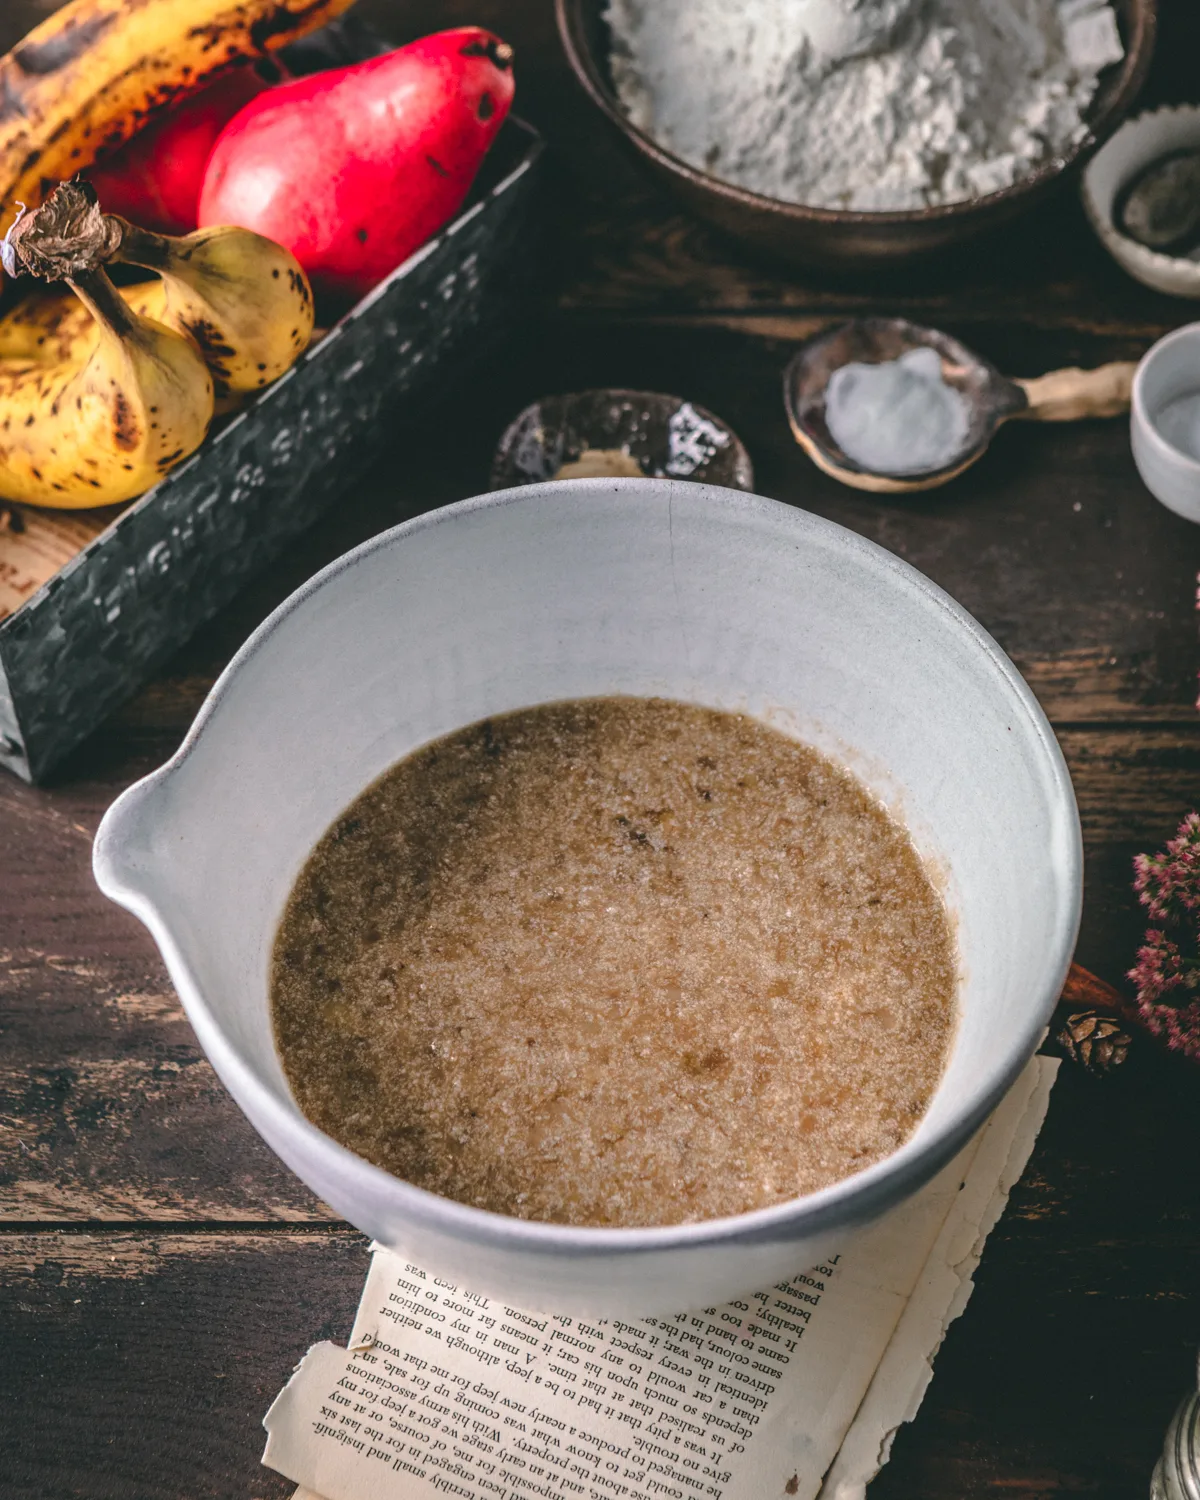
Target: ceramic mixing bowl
[(558, 590)]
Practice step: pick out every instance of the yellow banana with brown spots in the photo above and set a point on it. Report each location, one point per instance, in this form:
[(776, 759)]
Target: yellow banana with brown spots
[(104, 428), (242, 299), (54, 326), (108, 419), (90, 75)]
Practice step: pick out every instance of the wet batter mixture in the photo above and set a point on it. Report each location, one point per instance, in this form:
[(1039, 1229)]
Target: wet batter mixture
[(616, 961)]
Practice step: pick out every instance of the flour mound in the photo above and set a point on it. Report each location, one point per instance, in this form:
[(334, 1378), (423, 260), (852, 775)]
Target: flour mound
[(862, 104)]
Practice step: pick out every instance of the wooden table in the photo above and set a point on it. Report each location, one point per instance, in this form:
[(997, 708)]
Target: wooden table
[(161, 1272)]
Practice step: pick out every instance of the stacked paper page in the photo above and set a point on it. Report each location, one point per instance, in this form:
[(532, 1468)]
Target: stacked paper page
[(795, 1391)]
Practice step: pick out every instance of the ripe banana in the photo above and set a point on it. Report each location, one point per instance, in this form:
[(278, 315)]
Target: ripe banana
[(106, 424), (105, 428), (241, 298), (53, 327), (83, 81)]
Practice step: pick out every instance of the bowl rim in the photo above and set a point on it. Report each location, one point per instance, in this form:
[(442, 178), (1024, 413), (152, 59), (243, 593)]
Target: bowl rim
[(1135, 66), (841, 1203), (1148, 429)]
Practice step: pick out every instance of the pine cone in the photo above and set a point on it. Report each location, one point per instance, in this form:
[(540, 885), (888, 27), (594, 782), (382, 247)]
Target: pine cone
[(1095, 1041)]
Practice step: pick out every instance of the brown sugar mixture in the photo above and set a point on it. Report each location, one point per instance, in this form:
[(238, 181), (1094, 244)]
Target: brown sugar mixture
[(616, 961)]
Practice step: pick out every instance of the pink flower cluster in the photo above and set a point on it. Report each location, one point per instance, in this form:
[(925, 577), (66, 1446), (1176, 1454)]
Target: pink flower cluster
[(1167, 972)]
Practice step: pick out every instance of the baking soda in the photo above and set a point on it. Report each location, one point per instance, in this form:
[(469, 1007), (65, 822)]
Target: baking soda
[(898, 417)]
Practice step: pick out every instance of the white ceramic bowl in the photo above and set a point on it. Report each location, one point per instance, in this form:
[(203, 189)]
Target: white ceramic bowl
[(588, 587), (1139, 142), (1168, 369)]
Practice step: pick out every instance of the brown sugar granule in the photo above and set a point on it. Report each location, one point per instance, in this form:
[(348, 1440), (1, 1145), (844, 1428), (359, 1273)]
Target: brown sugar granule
[(616, 961)]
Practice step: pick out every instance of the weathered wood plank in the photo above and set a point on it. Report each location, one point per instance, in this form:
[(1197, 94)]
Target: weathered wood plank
[(633, 254), (1079, 1339), (1094, 684), (1132, 786), (1060, 1376), (139, 1367), (108, 1110)]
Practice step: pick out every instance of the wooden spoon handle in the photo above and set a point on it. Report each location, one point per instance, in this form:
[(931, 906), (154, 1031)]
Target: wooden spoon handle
[(1069, 395)]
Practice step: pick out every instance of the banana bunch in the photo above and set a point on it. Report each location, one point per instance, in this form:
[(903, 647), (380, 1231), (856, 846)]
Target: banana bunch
[(108, 424), (90, 75), (242, 299), (102, 392)]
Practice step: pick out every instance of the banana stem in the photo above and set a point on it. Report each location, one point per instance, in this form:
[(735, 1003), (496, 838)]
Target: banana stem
[(101, 298), (140, 247), (66, 238)]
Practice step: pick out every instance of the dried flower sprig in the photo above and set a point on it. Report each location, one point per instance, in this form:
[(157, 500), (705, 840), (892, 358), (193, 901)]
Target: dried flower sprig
[(1167, 972)]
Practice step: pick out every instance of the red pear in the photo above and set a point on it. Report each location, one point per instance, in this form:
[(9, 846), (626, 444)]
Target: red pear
[(354, 169), (154, 180)]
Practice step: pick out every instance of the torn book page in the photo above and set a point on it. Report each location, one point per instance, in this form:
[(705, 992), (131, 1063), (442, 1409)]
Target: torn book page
[(449, 1392), (899, 1384)]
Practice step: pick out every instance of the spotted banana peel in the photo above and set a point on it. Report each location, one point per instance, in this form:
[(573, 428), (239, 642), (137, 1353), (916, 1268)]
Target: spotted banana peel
[(106, 422), (242, 299), (89, 76)]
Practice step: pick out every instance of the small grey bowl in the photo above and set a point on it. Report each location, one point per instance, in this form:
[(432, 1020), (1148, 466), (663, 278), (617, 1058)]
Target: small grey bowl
[(1139, 142), (665, 436)]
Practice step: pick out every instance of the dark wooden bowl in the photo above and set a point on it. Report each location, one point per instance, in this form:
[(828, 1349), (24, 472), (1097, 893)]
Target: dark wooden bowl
[(845, 240)]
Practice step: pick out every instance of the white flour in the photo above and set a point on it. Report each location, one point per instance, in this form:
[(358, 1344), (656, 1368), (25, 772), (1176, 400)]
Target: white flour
[(862, 104)]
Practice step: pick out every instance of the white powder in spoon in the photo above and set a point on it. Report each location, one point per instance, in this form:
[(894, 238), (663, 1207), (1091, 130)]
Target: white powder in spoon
[(862, 104), (898, 417)]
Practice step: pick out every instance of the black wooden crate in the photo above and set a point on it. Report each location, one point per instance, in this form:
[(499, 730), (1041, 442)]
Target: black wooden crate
[(102, 625)]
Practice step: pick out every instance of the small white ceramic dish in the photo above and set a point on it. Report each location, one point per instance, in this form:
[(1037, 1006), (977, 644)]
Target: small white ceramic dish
[(559, 590), (1169, 369), (1135, 145)]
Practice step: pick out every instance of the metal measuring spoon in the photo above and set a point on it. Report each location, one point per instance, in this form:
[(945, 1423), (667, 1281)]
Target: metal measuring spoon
[(603, 433), (992, 399)]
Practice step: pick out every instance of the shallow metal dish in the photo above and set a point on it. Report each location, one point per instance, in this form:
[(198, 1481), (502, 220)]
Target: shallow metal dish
[(842, 239), (665, 436)]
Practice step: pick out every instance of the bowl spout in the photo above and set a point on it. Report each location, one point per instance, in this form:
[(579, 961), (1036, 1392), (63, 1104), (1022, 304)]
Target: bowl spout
[(127, 853)]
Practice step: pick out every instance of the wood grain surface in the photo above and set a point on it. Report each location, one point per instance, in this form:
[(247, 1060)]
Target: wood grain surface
[(161, 1272)]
